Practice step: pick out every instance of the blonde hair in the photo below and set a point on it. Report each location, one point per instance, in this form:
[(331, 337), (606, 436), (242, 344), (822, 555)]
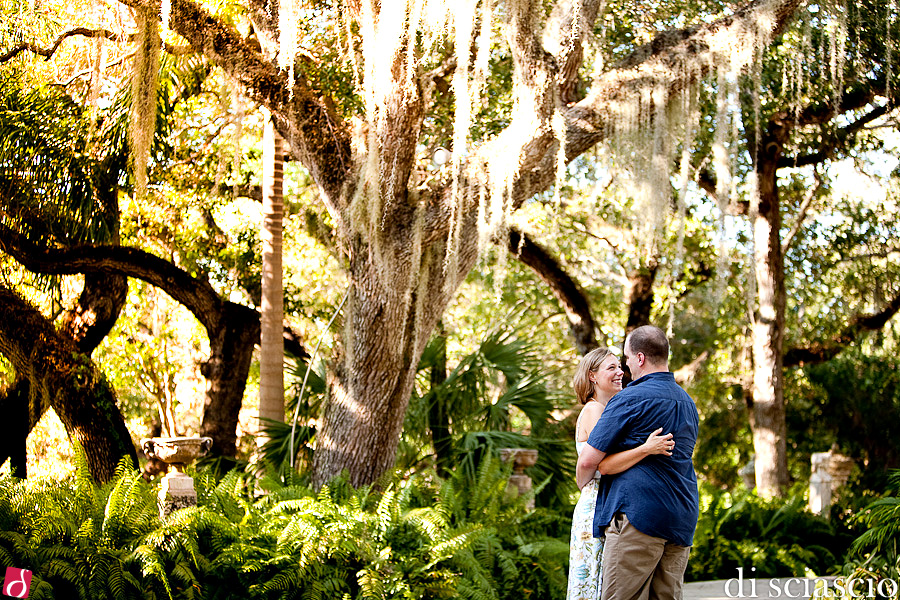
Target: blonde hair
[(590, 362)]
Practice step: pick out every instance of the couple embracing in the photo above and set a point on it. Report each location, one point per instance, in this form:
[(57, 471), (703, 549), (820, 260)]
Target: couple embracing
[(634, 523)]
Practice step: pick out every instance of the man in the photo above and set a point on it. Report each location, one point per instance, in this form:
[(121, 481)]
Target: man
[(650, 511)]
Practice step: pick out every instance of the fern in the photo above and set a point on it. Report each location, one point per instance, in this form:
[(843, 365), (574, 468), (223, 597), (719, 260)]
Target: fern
[(876, 552), (778, 537), (417, 537)]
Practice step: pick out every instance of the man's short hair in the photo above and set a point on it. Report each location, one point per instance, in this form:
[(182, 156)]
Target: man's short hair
[(652, 342)]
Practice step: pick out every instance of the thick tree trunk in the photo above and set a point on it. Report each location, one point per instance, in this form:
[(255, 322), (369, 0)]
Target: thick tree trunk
[(767, 414), (640, 296), (15, 403), (369, 390), (271, 313), (369, 386), (64, 378), (86, 323), (231, 351)]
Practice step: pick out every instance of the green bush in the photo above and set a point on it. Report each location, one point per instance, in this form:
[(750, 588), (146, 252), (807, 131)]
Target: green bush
[(876, 552), (421, 537), (778, 537)]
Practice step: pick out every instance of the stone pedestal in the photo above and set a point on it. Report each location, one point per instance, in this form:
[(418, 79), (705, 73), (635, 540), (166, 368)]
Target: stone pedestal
[(177, 489), (519, 482), (819, 490), (830, 471)]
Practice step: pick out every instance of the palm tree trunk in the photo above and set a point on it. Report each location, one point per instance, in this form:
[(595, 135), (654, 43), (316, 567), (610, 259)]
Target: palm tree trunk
[(271, 354)]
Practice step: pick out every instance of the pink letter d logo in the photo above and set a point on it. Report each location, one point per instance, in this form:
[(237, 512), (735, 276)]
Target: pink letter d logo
[(17, 582)]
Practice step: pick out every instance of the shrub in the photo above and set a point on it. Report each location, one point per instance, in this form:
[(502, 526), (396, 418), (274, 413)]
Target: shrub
[(778, 537), (421, 537), (876, 552)]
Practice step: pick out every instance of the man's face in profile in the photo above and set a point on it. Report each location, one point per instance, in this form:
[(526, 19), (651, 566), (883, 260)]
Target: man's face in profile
[(626, 356)]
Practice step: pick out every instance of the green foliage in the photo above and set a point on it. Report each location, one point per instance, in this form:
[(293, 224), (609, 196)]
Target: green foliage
[(876, 553), (415, 538), (489, 398), (78, 539), (778, 537), (46, 178), (493, 394), (61, 168), (853, 397)]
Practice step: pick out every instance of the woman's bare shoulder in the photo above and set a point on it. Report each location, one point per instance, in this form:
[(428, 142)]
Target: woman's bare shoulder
[(590, 414), (592, 409)]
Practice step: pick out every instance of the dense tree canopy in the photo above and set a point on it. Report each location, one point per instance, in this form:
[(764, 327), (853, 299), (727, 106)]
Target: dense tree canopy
[(640, 107)]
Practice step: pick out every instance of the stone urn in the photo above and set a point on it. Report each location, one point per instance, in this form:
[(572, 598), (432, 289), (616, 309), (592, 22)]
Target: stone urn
[(177, 490), (522, 459)]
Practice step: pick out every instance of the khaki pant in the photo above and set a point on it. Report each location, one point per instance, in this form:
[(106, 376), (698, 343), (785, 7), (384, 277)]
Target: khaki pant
[(637, 566)]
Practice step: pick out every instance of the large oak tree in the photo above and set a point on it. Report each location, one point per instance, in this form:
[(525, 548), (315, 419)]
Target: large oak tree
[(411, 234), (407, 243)]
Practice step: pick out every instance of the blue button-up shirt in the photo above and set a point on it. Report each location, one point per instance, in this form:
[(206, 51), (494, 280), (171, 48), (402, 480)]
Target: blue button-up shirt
[(659, 494)]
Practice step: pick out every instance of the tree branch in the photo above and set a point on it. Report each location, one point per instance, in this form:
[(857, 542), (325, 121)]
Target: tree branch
[(319, 138), (196, 295), (562, 285), (47, 53), (818, 114), (801, 214), (571, 37), (835, 142), (706, 181), (858, 327), (868, 256), (671, 61), (686, 374)]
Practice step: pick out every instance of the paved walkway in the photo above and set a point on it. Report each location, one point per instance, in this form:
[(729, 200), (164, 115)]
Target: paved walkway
[(727, 589)]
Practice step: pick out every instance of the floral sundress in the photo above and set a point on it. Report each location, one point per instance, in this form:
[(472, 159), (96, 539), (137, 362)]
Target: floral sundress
[(585, 573)]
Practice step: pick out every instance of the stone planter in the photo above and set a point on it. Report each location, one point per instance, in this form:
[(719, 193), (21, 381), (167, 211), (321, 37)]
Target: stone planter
[(522, 459), (177, 490)]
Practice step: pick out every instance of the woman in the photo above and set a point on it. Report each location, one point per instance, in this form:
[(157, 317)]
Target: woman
[(597, 378)]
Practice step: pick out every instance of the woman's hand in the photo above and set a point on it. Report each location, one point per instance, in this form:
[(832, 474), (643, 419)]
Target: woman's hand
[(659, 444)]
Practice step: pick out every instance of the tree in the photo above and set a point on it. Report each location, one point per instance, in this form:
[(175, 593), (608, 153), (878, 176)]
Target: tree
[(814, 131), (408, 246), (49, 212), (409, 236), (64, 378), (80, 202), (86, 324), (561, 284), (271, 355)]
